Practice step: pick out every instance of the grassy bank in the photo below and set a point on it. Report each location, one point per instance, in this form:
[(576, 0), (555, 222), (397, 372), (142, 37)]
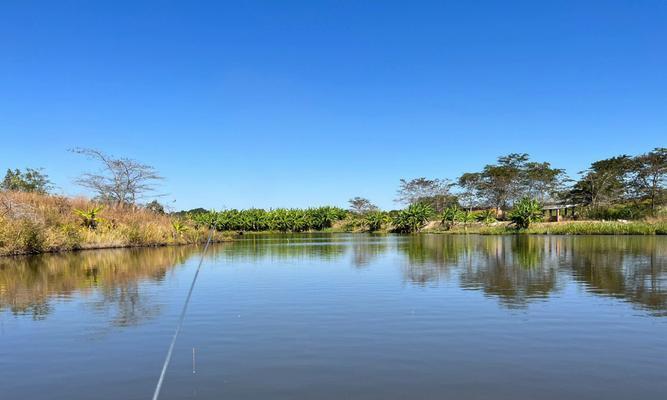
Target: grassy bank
[(36, 223), (562, 228)]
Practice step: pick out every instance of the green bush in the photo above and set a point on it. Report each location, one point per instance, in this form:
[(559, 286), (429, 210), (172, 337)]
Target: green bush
[(375, 220), (413, 218), (90, 218), (525, 212), (450, 216), (618, 211), (487, 217), (280, 219)]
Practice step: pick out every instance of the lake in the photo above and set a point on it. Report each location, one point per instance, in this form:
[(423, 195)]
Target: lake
[(342, 316)]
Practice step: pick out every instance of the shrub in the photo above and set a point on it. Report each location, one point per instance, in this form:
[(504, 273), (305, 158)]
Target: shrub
[(525, 212), (375, 220), (487, 217), (466, 217), (450, 216), (618, 211), (179, 227), (90, 218), (413, 218)]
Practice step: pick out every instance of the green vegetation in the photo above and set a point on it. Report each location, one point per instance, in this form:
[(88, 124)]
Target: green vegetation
[(563, 228), (450, 216), (34, 223), (525, 212), (376, 220), (413, 218), (280, 220), (90, 218), (505, 197), (486, 217), (30, 180)]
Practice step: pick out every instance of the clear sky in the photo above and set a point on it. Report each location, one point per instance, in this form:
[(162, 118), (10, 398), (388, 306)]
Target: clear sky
[(299, 103)]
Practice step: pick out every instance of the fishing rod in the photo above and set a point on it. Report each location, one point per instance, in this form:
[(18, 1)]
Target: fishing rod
[(158, 387)]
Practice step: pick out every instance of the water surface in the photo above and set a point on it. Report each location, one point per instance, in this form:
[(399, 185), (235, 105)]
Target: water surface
[(343, 316)]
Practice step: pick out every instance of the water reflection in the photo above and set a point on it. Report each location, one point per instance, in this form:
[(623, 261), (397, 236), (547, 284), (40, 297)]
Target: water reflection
[(111, 278), (519, 269), (630, 268), (258, 247), (514, 270)]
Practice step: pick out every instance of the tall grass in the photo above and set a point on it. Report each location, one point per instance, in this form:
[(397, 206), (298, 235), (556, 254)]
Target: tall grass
[(34, 223), (576, 228)]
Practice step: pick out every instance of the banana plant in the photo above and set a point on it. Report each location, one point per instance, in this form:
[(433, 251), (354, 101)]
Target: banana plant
[(413, 218), (374, 220), (487, 217), (525, 212), (466, 217), (179, 227), (90, 218), (450, 216)]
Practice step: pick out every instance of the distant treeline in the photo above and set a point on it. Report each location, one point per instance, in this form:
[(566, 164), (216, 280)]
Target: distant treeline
[(514, 188), (638, 181)]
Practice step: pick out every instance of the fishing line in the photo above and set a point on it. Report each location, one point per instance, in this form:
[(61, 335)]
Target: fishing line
[(180, 321)]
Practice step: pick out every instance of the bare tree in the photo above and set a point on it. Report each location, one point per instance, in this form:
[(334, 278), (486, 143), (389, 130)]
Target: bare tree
[(122, 181), (435, 192), (360, 205)]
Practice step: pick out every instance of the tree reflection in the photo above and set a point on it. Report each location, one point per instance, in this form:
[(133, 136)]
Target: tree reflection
[(513, 269), (516, 270), (258, 247), (430, 258), (629, 268), (364, 252), (519, 269), (28, 285)]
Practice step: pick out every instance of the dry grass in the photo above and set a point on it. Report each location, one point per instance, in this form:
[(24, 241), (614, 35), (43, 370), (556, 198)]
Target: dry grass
[(34, 223)]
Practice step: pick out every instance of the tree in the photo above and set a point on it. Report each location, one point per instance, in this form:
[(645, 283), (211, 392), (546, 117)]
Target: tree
[(502, 184), (30, 180), (121, 181), (361, 206), (155, 206), (434, 192), (603, 183), (498, 184), (470, 183), (648, 175), (542, 182)]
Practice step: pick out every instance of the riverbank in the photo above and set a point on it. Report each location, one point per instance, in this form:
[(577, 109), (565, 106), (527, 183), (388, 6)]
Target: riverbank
[(560, 228), (657, 227), (32, 223)]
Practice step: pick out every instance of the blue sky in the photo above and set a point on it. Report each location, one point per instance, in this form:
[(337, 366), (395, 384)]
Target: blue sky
[(299, 103)]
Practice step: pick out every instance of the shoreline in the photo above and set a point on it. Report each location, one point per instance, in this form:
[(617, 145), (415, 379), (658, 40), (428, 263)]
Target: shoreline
[(224, 239), (566, 228)]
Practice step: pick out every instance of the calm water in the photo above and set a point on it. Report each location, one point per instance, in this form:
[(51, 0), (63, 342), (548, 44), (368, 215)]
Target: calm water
[(343, 316)]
